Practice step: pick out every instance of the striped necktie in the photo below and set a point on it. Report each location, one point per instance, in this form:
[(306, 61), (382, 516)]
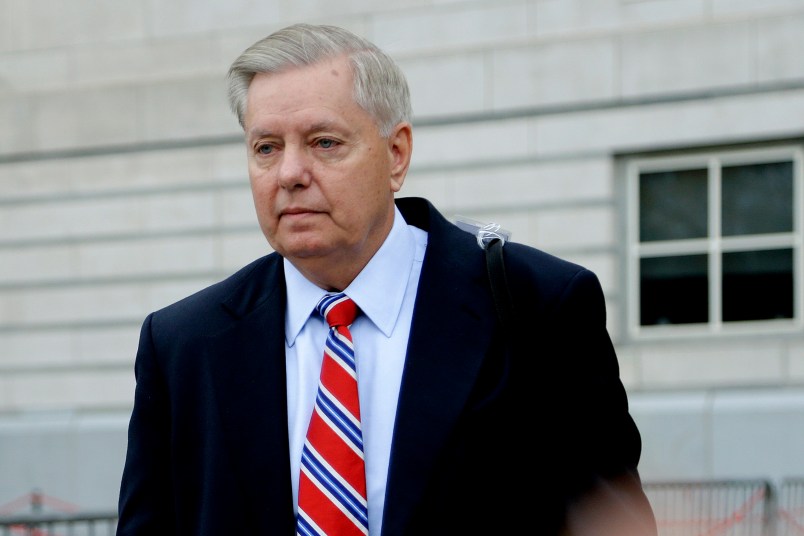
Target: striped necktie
[(332, 483)]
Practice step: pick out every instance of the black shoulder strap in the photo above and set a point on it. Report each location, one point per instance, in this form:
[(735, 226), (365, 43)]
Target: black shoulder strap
[(499, 283)]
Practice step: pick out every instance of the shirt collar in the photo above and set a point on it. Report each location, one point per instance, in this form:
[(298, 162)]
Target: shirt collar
[(378, 289)]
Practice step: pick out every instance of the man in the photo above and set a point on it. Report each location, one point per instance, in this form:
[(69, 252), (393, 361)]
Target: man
[(461, 430)]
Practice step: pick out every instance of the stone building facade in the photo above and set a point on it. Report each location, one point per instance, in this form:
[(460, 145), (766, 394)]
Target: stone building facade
[(657, 142)]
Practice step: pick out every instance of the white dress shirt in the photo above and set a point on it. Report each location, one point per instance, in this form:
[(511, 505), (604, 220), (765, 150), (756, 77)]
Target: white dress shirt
[(385, 291)]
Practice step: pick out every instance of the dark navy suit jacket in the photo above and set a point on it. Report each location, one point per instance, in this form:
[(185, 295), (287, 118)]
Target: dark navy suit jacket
[(493, 434)]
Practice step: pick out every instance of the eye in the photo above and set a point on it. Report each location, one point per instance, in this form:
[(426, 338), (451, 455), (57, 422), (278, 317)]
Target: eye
[(265, 149), (326, 143)]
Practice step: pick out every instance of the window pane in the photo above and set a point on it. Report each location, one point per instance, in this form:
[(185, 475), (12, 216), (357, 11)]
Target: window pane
[(672, 205), (757, 199), (674, 290), (758, 285)]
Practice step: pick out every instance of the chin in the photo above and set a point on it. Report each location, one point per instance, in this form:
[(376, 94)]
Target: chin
[(305, 250)]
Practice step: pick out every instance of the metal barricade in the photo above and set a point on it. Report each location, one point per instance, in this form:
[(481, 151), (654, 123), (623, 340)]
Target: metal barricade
[(790, 510), (713, 508), (682, 508), (59, 524), (51, 516)]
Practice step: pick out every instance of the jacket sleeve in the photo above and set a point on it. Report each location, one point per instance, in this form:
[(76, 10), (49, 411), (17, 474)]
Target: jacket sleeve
[(145, 504), (594, 445)]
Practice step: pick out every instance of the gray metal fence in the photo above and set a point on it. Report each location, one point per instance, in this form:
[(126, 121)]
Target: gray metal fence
[(728, 507), (790, 508), (37, 514), (60, 524), (682, 508), (713, 508)]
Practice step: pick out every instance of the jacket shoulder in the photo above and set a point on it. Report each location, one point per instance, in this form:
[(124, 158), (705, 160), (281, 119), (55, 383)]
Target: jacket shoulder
[(535, 273), (527, 259), (241, 289)]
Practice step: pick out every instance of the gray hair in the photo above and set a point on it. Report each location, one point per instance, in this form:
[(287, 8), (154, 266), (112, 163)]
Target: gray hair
[(380, 87)]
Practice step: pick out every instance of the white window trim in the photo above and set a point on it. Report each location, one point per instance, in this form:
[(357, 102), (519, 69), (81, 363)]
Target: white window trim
[(714, 244)]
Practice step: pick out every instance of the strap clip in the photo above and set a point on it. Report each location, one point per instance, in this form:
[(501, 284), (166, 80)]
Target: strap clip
[(484, 232)]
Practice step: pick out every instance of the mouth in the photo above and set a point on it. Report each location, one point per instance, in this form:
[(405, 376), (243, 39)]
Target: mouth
[(297, 212)]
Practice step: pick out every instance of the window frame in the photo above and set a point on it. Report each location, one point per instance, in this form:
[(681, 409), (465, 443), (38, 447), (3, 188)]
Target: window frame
[(713, 244)]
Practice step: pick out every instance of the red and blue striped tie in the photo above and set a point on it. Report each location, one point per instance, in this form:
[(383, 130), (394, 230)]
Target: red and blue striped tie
[(332, 484)]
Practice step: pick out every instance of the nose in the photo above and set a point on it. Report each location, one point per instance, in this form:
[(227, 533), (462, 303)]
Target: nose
[(294, 168)]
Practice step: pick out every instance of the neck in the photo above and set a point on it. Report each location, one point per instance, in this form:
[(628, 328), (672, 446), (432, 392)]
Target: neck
[(336, 271)]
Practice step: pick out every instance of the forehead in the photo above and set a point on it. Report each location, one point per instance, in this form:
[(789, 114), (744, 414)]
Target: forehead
[(324, 85), (299, 100)]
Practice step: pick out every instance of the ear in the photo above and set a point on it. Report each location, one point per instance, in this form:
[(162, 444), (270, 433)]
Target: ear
[(400, 147)]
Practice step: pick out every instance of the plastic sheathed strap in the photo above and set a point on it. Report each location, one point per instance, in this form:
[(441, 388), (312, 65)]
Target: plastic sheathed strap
[(495, 265)]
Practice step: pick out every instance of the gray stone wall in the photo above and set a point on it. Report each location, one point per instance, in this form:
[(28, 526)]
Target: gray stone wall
[(123, 188)]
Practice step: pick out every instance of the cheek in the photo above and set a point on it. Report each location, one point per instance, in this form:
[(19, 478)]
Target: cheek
[(263, 193), (260, 181)]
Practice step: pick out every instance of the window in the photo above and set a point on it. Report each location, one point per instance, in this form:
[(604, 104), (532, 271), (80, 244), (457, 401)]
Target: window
[(715, 242)]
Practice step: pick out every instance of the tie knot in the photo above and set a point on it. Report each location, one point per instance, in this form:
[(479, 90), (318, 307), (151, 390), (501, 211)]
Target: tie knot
[(338, 309)]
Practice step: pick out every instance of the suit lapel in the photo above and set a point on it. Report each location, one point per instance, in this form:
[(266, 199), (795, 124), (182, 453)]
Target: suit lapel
[(250, 389), (450, 334)]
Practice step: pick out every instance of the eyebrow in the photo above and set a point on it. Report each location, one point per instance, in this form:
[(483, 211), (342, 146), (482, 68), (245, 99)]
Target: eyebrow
[(257, 133), (326, 124)]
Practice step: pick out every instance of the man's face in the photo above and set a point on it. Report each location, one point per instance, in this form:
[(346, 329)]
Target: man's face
[(322, 177)]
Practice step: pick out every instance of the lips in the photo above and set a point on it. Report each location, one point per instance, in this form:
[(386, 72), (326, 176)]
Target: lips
[(295, 211), (298, 214)]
